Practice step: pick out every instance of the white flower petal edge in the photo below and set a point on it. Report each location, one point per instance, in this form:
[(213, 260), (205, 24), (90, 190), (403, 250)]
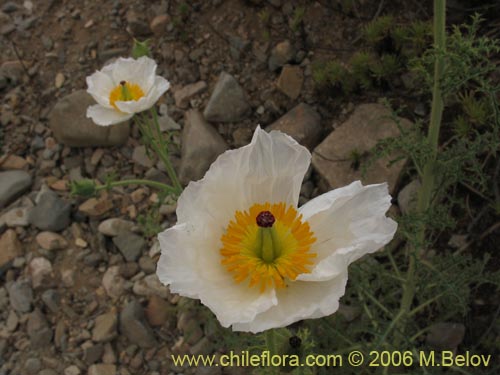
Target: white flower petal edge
[(302, 300), (270, 168), (100, 85), (158, 89), (348, 223), (105, 116)]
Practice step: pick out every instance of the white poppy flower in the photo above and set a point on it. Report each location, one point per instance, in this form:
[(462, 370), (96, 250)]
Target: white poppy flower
[(123, 88), (243, 248)]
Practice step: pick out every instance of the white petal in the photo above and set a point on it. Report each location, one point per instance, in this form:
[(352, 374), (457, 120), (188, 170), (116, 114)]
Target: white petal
[(100, 86), (269, 169), (106, 116), (347, 223), (135, 106), (141, 72), (190, 264), (300, 300)]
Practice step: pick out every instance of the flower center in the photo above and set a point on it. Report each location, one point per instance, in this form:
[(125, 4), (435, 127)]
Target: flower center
[(125, 92), (267, 245)]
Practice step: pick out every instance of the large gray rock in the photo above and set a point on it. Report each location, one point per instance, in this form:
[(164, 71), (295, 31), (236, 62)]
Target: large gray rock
[(68, 120), (51, 212), (130, 245), (134, 326), (228, 102), (339, 158), (201, 144), (12, 185), (302, 123)]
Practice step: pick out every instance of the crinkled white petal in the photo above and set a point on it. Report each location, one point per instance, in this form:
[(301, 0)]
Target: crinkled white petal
[(348, 223), (100, 85), (190, 264), (141, 71), (300, 300), (135, 106), (106, 116), (269, 169)]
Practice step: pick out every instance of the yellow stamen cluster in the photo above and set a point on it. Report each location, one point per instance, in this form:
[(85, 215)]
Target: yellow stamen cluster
[(267, 256), (125, 92)]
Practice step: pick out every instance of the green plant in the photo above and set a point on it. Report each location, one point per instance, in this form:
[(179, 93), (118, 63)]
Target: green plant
[(378, 29), (361, 67), (333, 75), (297, 18), (386, 68)]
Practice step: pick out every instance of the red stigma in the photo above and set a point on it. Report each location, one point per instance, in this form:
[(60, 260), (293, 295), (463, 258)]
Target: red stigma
[(265, 219)]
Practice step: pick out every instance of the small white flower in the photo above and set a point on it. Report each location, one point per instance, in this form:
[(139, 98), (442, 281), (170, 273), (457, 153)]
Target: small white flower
[(123, 88), (243, 248)]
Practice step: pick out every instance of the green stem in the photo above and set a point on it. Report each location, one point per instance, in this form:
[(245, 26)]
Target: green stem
[(428, 178), (164, 153), (153, 138), (154, 184)]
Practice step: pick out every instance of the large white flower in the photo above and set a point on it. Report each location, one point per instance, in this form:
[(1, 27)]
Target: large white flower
[(243, 248), (123, 88)]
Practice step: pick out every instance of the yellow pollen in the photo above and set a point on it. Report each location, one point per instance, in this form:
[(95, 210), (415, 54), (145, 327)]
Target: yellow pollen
[(125, 92), (267, 257)]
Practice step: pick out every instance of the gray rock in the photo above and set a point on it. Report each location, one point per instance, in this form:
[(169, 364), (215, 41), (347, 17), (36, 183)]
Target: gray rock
[(201, 145), (302, 123), (407, 197), (70, 125), (38, 330), (134, 326), (93, 353), (281, 54), (21, 296), (147, 264), (52, 300), (339, 158), (105, 327), (167, 123), (445, 336), (12, 185), (49, 202), (228, 102), (113, 283), (140, 157), (10, 7), (130, 245)]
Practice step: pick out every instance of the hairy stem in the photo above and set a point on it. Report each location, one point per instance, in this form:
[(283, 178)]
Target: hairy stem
[(428, 178)]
